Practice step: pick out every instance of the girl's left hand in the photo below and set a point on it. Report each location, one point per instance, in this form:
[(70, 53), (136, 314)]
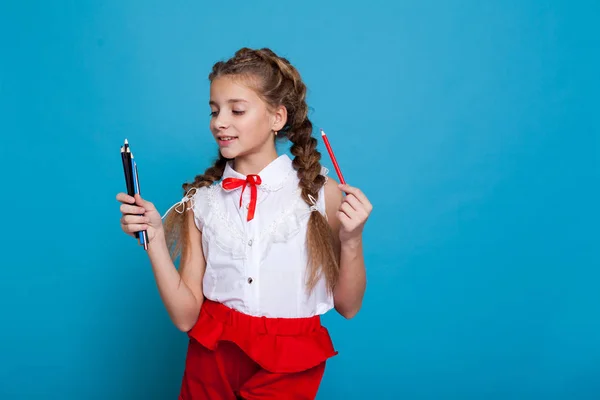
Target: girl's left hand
[(353, 214)]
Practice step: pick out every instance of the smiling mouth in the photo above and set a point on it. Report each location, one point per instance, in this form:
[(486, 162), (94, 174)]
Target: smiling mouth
[(227, 138)]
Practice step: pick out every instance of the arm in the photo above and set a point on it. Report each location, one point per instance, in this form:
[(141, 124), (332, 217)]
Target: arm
[(181, 291), (346, 218)]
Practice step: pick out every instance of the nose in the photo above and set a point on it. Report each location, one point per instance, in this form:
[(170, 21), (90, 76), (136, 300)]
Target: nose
[(221, 121)]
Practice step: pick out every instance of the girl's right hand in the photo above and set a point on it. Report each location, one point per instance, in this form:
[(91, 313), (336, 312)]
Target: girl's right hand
[(139, 215)]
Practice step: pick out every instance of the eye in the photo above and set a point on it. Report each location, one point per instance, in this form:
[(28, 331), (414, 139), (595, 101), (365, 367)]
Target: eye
[(238, 112), (213, 113)]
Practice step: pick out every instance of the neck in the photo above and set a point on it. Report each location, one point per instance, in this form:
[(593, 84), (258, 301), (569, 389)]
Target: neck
[(254, 163)]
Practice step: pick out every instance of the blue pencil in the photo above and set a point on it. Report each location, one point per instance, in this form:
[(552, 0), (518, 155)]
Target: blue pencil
[(136, 187)]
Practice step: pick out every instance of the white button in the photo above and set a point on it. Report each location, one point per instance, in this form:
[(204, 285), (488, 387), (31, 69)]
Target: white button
[(249, 280), (250, 242)]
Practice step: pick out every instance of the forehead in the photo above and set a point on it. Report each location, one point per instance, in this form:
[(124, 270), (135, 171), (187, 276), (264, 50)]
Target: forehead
[(226, 88)]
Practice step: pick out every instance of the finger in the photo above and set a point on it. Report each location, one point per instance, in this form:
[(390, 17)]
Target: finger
[(355, 191), (352, 190), (344, 219), (129, 209), (348, 210), (354, 202), (134, 219), (124, 228), (359, 195), (143, 203), (125, 198), (135, 228)]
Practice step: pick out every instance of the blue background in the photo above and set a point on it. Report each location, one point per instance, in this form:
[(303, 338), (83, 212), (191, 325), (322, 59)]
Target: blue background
[(472, 126)]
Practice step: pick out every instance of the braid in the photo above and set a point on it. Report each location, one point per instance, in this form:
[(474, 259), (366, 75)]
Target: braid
[(319, 239), (307, 162)]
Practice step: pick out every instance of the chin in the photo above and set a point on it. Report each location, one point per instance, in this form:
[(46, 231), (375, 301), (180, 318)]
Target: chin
[(229, 153)]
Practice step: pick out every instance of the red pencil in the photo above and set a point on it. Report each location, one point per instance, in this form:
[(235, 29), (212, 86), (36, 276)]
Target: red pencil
[(335, 164)]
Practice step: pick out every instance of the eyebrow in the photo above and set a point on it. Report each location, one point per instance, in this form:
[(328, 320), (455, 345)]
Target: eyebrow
[(230, 101)]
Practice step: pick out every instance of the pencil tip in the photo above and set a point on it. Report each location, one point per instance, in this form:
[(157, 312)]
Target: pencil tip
[(322, 132), (126, 142)]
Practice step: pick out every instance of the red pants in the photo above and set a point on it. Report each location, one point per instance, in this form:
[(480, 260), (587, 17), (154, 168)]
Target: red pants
[(226, 373), (232, 355)]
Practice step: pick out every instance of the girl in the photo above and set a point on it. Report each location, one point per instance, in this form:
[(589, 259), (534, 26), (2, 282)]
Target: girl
[(267, 243)]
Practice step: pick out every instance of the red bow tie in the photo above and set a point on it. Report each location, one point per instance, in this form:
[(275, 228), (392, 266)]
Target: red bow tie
[(252, 181)]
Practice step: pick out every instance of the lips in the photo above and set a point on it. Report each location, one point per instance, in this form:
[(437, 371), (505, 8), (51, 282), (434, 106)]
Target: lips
[(226, 140)]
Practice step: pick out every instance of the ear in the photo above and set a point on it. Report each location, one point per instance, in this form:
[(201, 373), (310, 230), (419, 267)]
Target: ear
[(280, 118)]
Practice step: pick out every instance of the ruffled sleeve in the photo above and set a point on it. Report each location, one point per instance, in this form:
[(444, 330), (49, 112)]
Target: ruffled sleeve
[(215, 225), (292, 218), (192, 200), (199, 207)]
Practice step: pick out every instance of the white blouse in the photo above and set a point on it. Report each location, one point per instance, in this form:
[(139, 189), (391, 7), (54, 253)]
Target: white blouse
[(258, 267)]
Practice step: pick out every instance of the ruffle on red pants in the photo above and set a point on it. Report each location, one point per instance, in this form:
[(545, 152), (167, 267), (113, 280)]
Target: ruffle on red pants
[(279, 345)]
